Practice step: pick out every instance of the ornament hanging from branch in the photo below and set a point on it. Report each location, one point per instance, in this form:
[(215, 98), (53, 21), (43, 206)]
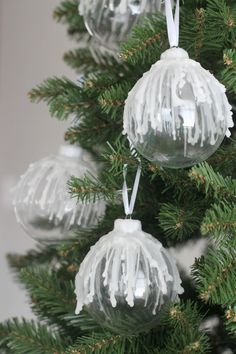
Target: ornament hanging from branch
[(177, 114), (127, 279), (42, 203), (111, 21)]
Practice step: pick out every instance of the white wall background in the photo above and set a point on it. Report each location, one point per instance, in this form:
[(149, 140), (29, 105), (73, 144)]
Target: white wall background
[(31, 49)]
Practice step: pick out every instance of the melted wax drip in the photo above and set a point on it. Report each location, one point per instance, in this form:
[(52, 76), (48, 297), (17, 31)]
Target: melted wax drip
[(174, 89), (45, 185), (121, 17), (122, 253)]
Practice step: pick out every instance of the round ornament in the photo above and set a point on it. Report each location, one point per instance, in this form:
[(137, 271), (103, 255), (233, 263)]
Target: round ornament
[(42, 203), (110, 21), (177, 114), (127, 279)]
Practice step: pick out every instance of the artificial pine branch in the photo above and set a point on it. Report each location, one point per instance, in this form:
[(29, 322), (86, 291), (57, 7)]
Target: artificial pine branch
[(205, 177), (118, 154), (82, 60), (89, 127), (193, 25), (230, 319), (146, 42), (83, 323), (90, 189), (198, 35), (104, 344), (62, 96), (176, 184), (178, 222), (112, 100), (28, 337), (52, 297), (67, 12), (222, 16), (72, 135), (97, 82), (228, 73), (215, 273), (39, 256), (4, 333), (220, 220), (223, 160), (186, 338)]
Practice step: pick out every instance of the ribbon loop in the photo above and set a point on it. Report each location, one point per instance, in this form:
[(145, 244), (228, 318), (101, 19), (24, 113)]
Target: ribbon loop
[(172, 23), (129, 206)]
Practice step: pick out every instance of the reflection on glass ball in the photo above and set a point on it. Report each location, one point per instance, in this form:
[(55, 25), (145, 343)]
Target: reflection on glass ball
[(127, 280), (178, 114), (42, 203), (110, 21)]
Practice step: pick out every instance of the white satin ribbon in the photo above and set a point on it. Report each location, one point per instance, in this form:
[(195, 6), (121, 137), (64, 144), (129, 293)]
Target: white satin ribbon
[(172, 23), (129, 206)]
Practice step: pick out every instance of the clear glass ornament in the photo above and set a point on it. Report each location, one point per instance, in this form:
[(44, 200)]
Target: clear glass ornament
[(127, 279), (110, 21), (177, 114), (42, 203)]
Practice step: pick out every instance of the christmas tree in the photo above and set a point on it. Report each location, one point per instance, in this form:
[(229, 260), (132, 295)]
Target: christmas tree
[(176, 206)]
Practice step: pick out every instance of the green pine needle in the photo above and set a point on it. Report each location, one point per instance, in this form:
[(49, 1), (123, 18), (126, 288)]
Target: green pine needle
[(28, 337), (220, 220), (67, 12), (103, 344), (228, 73), (213, 182), (52, 297), (178, 222), (215, 274), (90, 189), (62, 96), (186, 338)]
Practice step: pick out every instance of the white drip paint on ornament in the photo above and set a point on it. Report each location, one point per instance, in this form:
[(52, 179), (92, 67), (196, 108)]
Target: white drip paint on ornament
[(127, 275), (177, 114), (111, 21), (42, 202)]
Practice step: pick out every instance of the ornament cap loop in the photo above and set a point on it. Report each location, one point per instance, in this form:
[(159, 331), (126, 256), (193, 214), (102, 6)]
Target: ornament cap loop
[(127, 226), (71, 151), (174, 53)]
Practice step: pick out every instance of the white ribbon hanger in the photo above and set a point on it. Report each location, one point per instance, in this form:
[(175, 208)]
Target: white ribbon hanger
[(172, 23), (129, 206)]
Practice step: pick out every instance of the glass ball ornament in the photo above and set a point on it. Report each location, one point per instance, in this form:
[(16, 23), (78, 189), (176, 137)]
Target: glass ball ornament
[(42, 203), (127, 279), (177, 114), (110, 21)]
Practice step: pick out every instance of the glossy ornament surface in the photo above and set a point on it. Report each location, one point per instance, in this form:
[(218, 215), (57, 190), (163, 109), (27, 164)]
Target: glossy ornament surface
[(177, 114), (127, 279), (110, 21), (42, 203)]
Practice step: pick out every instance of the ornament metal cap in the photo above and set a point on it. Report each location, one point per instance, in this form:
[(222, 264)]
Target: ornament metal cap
[(127, 225)]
